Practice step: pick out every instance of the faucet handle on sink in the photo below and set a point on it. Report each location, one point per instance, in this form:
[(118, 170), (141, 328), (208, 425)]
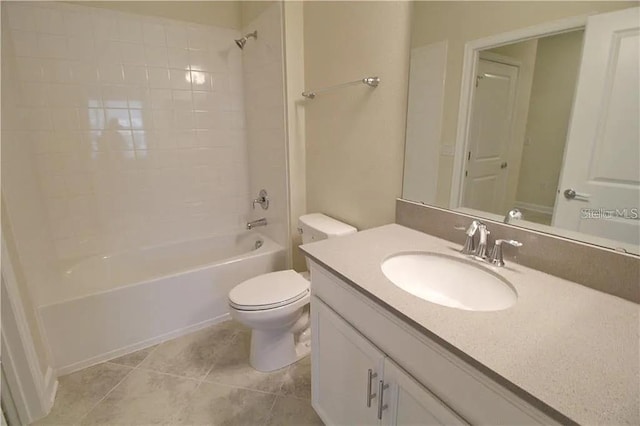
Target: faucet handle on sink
[(470, 243), (496, 253)]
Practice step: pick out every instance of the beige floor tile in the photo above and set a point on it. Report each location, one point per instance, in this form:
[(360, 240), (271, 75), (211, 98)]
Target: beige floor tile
[(297, 380), (133, 359), (232, 367), (293, 411), (80, 391), (192, 355), (145, 397), (217, 404)]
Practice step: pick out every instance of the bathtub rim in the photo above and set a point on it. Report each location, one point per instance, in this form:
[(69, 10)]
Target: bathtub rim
[(268, 246)]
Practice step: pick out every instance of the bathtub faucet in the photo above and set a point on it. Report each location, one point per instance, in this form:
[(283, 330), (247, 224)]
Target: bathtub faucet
[(259, 222)]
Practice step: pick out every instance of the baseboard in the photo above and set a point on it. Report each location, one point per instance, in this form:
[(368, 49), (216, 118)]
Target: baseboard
[(538, 208), (71, 368), (50, 388)]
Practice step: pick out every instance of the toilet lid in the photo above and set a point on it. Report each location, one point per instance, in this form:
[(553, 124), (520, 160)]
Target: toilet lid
[(269, 291)]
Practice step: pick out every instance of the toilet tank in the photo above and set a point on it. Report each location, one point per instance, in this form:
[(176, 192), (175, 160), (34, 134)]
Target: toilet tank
[(316, 226)]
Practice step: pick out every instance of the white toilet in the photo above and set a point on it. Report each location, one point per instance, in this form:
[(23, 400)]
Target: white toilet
[(276, 305)]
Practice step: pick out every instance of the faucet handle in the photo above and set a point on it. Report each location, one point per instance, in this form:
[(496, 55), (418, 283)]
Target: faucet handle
[(470, 244), (496, 253)]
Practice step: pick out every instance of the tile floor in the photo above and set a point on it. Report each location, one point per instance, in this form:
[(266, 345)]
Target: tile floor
[(202, 378)]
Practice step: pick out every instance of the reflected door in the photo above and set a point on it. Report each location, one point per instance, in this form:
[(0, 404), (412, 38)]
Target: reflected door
[(601, 174), (490, 132)]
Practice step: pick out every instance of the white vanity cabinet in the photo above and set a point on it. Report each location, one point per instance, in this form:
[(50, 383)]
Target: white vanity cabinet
[(361, 351), (410, 403), (354, 383), (345, 370)]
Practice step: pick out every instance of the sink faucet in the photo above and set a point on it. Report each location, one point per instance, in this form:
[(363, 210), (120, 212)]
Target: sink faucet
[(481, 250), (496, 254), (470, 243), (259, 222)]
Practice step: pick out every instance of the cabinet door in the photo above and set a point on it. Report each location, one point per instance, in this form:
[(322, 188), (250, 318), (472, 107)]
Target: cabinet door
[(341, 359), (408, 403)]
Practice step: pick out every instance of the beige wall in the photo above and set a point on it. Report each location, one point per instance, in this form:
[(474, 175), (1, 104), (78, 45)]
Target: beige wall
[(221, 13), (460, 22), (250, 10), (355, 135), (554, 83)]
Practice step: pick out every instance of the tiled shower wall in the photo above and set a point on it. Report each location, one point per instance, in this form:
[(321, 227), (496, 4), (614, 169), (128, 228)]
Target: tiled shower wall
[(135, 125)]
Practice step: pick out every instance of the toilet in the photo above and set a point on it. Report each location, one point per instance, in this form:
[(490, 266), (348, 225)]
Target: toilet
[(276, 305)]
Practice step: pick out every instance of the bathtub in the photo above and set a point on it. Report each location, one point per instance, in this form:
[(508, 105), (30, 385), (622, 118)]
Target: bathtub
[(112, 305)]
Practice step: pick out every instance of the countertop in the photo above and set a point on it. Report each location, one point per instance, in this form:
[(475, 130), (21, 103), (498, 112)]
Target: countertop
[(574, 349)]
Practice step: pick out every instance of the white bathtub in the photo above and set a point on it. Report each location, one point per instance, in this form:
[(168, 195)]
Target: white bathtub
[(111, 305)]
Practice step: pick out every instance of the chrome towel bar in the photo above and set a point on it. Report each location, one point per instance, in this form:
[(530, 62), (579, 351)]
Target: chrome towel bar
[(369, 81)]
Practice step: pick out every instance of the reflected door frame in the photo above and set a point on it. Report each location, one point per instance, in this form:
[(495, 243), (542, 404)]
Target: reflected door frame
[(489, 166), (472, 52)]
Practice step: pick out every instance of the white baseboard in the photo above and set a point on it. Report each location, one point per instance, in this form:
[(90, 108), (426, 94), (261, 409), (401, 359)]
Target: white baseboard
[(538, 208), (71, 368), (50, 388)]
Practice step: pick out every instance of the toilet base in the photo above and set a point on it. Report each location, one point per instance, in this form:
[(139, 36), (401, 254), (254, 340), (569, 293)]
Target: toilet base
[(272, 349)]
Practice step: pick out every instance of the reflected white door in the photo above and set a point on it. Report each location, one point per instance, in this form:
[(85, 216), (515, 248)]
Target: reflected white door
[(490, 133), (602, 157)]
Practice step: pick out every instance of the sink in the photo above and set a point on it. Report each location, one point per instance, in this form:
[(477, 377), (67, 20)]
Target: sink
[(449, 281)]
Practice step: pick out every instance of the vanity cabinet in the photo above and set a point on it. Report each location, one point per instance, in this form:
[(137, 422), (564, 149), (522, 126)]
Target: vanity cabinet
[(346, 367), (354, 383), (361, 352)]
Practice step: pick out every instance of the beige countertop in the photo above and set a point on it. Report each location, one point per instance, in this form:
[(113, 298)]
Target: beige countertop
[(574, 349)]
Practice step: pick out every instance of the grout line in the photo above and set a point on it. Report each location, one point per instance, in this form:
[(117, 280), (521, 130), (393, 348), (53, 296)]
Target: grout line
[(229, 341), (107, 394), (177, 376), (118, 384)]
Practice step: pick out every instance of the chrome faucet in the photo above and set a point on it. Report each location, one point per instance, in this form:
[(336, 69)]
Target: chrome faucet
[(481, 250), (496, 254), (259, 222), (470, 243)]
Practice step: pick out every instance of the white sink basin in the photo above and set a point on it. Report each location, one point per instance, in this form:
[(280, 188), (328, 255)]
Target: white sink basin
[(449, 281)]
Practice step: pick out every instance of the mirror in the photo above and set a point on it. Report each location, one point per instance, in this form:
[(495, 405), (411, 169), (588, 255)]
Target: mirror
[(547, 124)]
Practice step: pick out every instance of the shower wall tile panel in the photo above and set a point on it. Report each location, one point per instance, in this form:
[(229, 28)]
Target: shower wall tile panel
[(135, 125)]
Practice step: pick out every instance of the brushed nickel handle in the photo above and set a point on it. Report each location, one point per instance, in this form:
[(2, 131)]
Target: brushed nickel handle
[(370, 396), (572, 194), (381, 405)]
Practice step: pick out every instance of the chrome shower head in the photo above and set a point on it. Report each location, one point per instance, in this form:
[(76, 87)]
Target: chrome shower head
[(242, 41)]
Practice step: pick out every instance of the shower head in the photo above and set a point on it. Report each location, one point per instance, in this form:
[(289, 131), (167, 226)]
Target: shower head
[(242, 41)]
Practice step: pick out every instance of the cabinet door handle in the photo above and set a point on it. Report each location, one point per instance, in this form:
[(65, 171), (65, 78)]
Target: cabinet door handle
[(381, 405), (370, 396)]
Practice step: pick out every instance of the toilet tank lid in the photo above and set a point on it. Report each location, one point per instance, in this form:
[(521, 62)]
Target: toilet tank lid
[(326, 224)]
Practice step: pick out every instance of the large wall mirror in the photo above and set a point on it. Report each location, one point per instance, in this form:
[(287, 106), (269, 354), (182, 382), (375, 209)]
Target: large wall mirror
[(542, 118)]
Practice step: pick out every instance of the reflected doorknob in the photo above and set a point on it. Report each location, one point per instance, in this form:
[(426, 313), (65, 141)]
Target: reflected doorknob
[(571, 194)]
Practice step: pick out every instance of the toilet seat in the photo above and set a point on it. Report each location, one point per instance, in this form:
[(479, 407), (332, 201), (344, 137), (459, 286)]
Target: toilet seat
[(269, 291)]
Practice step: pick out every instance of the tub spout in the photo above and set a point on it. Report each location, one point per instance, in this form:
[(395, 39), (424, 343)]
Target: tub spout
[(259, 222)]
